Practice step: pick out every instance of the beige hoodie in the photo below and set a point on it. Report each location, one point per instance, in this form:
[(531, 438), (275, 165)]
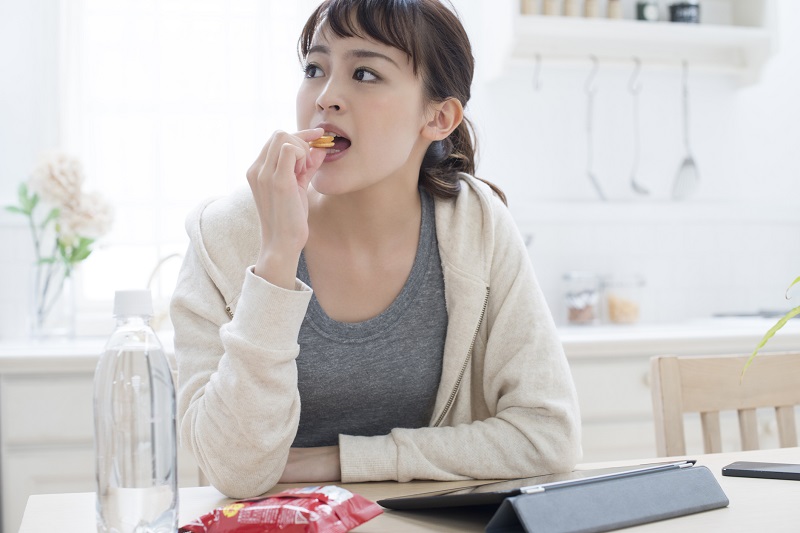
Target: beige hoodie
[(506, 405)]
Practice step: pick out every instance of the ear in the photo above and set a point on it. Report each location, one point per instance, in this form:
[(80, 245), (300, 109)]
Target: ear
[(444, 117)]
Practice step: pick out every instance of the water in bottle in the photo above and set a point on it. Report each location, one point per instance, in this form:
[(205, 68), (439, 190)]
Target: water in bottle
[(135, 437)]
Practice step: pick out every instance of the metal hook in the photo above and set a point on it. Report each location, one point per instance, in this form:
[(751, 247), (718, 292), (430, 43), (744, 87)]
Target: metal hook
[(591, 87), (634, 85), (537, 71)]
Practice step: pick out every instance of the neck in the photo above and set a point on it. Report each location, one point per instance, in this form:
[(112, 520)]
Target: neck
[(372, 217)]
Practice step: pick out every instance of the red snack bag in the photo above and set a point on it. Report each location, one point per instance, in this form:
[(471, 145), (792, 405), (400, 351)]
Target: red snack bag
[(328, 509)]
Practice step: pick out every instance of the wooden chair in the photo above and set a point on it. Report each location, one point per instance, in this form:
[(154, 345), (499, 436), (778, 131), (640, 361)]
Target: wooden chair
[(710, 384)]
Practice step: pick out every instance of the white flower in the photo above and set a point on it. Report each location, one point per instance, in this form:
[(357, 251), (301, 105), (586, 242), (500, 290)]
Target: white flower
[(91, 216), (58, 179)]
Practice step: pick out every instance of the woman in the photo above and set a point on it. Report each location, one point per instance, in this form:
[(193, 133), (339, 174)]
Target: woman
[(425, 350)]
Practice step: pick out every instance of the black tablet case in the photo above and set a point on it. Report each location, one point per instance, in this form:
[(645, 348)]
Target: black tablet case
[(609, 504)]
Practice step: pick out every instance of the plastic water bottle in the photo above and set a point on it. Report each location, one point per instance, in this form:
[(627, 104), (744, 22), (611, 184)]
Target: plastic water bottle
[(134, 416)]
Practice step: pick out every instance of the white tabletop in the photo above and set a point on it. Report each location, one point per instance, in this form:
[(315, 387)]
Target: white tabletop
[(755, 504)]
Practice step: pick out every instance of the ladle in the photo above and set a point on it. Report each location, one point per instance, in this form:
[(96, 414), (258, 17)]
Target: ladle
[(687, 178), (635, 87)]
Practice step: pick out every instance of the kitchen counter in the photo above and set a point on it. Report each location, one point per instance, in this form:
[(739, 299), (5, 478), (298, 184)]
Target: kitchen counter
[(694, 337), (702, 336)]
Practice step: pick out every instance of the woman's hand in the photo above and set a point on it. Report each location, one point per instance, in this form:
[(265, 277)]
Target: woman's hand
[(312, 465), (279, 180)]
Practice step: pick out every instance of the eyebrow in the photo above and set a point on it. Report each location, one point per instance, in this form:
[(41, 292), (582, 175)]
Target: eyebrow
[(360, 53)]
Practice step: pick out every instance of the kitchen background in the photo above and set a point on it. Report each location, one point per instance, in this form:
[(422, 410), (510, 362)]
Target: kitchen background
[(167, 102), (731, 247)]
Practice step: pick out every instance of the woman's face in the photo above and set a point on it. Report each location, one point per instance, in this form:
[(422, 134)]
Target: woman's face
[(367, 94)]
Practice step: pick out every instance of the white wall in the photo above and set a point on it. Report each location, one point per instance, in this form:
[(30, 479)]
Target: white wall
[(733, 247)]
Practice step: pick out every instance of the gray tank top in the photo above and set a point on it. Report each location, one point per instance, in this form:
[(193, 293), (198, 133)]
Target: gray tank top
[(369, 377)]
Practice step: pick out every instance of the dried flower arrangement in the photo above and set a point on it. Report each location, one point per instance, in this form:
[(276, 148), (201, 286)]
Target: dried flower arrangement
[(64, 222)]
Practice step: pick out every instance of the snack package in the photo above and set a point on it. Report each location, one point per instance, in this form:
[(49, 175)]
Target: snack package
[(328, 509)]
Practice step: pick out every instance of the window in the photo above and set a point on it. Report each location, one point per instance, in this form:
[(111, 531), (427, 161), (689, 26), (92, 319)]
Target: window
[(166, 103)]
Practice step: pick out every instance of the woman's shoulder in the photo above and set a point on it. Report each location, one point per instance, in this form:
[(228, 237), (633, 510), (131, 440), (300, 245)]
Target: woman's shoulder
[(230, 216), (475, 200), (225, 231)]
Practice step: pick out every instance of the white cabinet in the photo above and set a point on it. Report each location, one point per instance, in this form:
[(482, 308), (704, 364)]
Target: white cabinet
[(734, 36), (47, 427), (611, 369)]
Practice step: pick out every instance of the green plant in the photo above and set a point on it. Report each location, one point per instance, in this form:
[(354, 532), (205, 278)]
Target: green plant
[(774, 329)]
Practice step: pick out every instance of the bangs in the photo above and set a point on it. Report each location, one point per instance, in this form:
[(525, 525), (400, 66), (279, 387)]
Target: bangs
[(389, 22)]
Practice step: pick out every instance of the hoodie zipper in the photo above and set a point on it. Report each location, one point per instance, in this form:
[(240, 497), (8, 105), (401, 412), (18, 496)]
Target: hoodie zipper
[(466, 362), (229, 311)]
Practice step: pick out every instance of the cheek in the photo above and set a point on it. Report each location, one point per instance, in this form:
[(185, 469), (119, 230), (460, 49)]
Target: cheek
[(400, 121)]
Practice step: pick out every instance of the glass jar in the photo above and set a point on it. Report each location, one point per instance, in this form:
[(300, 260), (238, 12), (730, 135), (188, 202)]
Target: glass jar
[(550, 7), (647, 10), (582, 296), (686, 11), (614, 9), (529, 7), (623, 298)]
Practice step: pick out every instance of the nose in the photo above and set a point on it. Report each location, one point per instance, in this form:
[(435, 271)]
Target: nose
[(330, 98)]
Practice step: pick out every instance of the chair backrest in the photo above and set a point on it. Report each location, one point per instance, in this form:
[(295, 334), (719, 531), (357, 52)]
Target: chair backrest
[(710, 384)]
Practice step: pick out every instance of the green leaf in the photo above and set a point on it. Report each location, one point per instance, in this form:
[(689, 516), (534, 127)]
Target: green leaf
[(27, 200), (15, 209), (795, 282), (22, 194), (769, 334), (79, 251), (46, 261), (80, 255), (52, 215)]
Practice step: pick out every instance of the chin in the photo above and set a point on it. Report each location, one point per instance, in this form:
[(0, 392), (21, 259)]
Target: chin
[(325, 183)]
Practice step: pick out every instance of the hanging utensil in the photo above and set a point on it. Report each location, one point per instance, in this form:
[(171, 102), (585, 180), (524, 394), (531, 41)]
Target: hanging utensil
[(591, 89), (688, 176), (537, 73), (635, 87)]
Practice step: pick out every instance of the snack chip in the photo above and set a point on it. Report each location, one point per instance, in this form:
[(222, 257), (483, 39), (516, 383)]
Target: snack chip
[(328, 509), (326, 141)]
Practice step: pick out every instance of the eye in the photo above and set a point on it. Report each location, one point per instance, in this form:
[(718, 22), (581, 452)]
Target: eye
[(312, 71), (362, 74)]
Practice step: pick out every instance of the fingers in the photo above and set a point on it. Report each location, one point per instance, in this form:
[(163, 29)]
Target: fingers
[(268, 156), (312, 164), (289, 157)]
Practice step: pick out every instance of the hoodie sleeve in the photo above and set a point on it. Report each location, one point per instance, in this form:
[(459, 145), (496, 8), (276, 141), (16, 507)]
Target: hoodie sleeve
[(238, 402), (515, 413)]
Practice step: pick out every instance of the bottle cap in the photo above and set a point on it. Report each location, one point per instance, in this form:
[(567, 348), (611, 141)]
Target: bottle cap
[(133, 303)]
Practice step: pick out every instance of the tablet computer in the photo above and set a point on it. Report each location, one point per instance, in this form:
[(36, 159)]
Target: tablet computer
[(494, 493)]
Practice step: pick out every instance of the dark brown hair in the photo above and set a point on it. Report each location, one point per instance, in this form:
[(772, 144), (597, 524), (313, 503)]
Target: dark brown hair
[(432, 36)]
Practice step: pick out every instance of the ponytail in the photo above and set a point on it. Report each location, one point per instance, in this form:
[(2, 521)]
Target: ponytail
[(445, 159)]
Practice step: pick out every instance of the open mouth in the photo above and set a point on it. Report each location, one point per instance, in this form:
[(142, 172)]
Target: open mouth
[(340, 143)]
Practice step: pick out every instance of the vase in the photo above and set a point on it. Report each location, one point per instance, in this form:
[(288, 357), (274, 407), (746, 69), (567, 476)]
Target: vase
[(52, 309)]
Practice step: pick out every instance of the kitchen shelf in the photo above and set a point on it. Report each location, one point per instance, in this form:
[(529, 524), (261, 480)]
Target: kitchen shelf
[(654, 211), (741, 50)]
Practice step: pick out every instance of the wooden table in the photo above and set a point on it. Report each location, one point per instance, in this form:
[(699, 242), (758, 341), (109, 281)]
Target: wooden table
[(755, 504)]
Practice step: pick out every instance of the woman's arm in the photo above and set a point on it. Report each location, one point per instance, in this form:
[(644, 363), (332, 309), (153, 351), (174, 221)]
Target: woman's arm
[(238, 397), (238, 401), (312, 465)]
